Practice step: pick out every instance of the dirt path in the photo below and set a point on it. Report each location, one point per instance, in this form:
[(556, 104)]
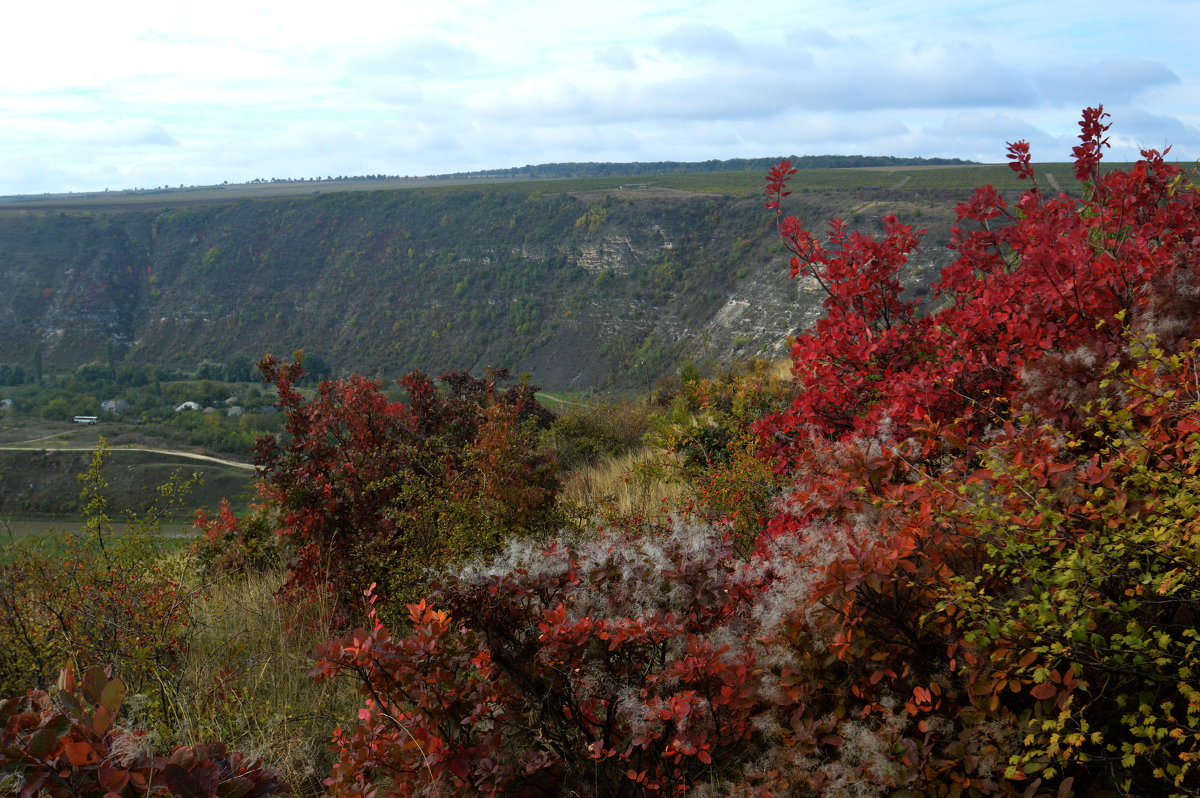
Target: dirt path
[(42, 438), (905, 180), (545, 397), (172, 452), (1053, 181)]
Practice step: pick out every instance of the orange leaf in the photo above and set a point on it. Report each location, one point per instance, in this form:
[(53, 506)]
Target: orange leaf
[(1043, 691), (81, 753)]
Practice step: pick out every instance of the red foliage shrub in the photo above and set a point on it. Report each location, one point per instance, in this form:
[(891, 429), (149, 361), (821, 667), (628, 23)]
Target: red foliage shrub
[(1060, 276), (982, 580), (604, 668), (370, 490), (66, 744), (977, 468), (620, 666), (228, 544)]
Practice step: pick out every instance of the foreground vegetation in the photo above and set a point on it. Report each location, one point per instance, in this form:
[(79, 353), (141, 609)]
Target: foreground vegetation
[(954, 552)]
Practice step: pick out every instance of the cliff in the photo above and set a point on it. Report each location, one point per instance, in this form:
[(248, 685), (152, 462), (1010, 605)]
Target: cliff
[(583, 289)]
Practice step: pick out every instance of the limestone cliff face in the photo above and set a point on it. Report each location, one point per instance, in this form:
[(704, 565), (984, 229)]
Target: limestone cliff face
[(579, 290)]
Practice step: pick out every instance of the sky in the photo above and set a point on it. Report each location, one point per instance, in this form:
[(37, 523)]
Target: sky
[(132, 94)]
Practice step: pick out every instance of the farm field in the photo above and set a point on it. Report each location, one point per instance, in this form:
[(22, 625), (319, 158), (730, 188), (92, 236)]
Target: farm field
[(207, 195), (735, 183)]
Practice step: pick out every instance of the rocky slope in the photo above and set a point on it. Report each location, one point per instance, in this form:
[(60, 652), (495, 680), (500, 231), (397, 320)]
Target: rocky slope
[(590, 289)]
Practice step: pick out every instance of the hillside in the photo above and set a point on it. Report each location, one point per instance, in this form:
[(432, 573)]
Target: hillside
[(581, 283), (953, 549)]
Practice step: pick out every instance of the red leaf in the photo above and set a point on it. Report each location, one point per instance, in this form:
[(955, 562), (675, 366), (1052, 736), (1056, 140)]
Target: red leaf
[(1043, 691)]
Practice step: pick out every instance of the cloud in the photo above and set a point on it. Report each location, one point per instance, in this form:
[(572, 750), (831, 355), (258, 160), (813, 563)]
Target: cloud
[(125, 133), (809, 133), (703, 41), (234, 90), (943, 75), (1137, 129), (984, 126), (772, 82), (397, 93), (1109, 80), (32, 175), (33, 134), (975, 135), (419, 56), (814, 38), (615, 58)]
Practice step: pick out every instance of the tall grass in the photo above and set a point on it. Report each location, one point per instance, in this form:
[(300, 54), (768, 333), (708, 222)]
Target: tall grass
[(625, 479), (617, 485), (245, 680)]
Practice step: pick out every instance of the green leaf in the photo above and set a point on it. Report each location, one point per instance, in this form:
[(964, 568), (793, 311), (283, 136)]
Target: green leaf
[(113, 695), (42, 743), (60, 725)]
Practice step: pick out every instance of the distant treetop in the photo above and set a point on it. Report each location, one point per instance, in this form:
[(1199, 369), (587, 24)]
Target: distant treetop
[(699, 167)]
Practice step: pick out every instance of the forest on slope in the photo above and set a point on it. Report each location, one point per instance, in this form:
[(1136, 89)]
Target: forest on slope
[(581, 283)]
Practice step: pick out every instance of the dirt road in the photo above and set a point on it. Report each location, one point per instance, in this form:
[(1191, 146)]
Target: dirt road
[(172, 452)]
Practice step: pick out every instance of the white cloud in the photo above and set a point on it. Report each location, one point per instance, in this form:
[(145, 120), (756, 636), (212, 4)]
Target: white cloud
[(124, 133), (419, 56), (1109, 80), (617, 58), (700, 41), (744, 87), (1137, 129)]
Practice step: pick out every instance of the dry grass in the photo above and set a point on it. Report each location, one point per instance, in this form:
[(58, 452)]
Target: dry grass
[(624, 484), (245, 681), (781, 370), (617, 485)]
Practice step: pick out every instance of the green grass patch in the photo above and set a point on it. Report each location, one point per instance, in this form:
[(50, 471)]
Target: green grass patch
[(69, 538)]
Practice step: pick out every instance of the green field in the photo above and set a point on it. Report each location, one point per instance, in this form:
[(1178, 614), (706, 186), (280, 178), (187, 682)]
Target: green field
[(746, 183), (946, 178), (749, 183)]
